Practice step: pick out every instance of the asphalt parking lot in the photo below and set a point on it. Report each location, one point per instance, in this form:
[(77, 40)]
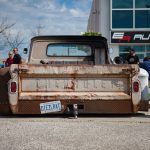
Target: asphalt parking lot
[(88, 132)]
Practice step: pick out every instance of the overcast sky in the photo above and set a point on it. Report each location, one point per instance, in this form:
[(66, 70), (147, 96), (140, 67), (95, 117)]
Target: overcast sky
[(56, 17)]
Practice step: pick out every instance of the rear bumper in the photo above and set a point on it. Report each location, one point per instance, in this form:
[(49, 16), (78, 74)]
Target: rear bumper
[(88, 102), (121, 107), (85, 106)]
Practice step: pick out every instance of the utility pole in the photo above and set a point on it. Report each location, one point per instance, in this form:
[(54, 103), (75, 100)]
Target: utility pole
[(39, 29)]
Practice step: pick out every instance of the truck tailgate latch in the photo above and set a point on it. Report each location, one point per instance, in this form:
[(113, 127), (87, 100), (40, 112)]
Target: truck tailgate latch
[(21, 69)]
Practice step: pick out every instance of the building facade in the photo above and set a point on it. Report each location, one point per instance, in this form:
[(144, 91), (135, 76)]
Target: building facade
[(125, 24)]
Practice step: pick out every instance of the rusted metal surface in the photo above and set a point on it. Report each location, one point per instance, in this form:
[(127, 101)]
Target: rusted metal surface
[(76, 70), (32, 107), (81, 83), (4, 99), (93, 86), (73, 78), (14, 108), (74, 96), (13, 96)]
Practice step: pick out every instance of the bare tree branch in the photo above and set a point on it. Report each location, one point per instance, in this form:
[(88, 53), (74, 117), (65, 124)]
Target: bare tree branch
[(13, 40), (4, 25), (7, 39)]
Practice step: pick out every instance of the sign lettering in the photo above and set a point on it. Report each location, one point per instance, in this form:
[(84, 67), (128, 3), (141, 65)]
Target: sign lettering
[(130, 37)]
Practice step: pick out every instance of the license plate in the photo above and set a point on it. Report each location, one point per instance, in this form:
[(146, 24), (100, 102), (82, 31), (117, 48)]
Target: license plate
[(49, 107)]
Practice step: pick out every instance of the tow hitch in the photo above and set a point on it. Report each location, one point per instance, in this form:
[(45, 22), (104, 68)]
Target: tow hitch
[(75, 111)]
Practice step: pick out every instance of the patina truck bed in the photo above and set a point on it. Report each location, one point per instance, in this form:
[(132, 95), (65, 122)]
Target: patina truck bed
[(94, 88)]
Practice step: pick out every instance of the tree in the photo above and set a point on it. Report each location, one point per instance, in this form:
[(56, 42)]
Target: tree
[(8, 39), (4, 24), (12, 40)]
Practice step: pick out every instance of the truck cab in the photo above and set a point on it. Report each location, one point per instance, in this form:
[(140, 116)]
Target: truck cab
[(69, 50)]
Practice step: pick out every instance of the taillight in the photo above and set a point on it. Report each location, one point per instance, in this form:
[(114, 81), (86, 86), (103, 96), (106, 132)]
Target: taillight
[(136, 86), (13, 87)]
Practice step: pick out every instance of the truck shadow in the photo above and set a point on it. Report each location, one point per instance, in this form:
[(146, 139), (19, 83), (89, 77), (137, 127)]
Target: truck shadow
[(70, 116)]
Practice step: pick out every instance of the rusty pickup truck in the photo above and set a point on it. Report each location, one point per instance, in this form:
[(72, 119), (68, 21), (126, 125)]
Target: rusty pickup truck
[(69, 74)]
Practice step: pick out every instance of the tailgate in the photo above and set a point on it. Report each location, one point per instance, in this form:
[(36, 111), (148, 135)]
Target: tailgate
[(75, 82)]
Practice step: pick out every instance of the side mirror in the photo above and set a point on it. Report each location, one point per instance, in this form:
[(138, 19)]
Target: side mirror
[(25, 50), (118, 60)]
